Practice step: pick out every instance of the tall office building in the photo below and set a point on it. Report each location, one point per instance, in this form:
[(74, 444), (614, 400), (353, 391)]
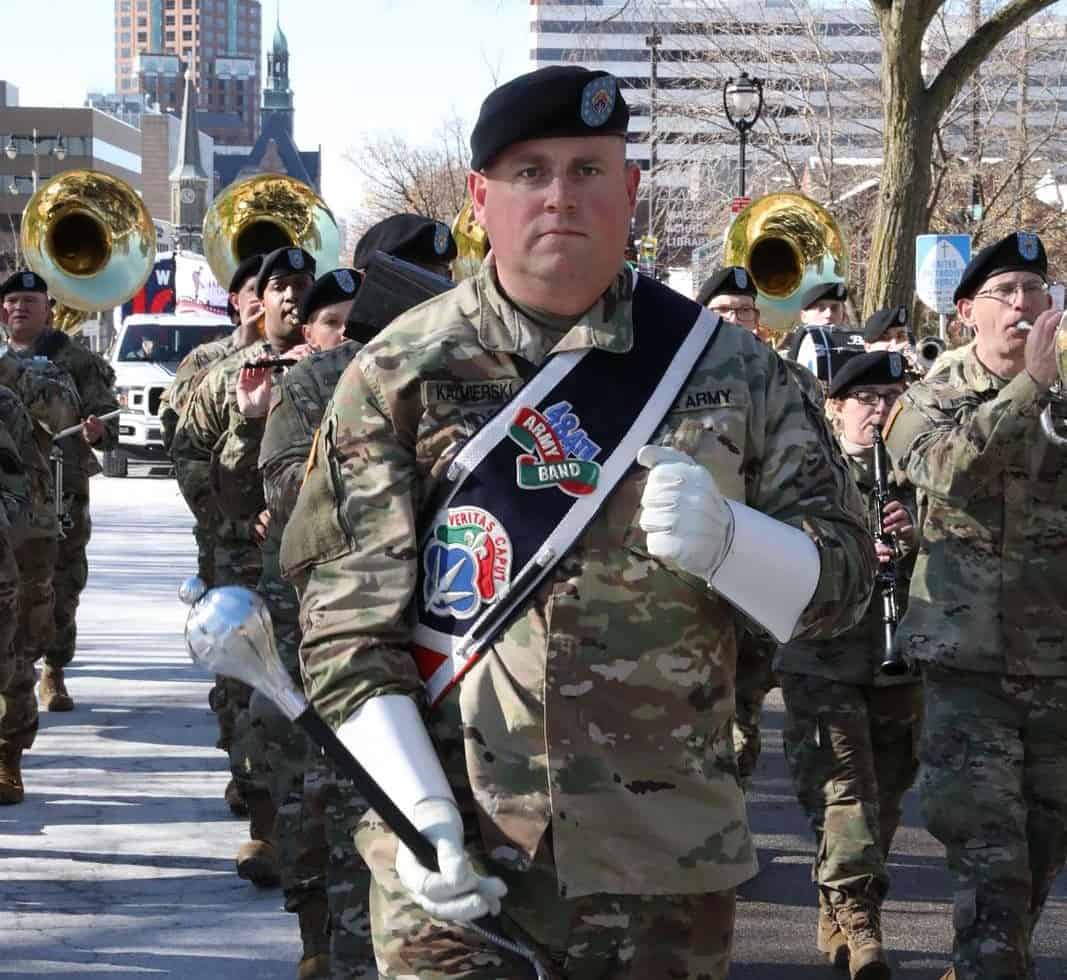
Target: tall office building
[(672, 59), (820, 62), (217, 42)]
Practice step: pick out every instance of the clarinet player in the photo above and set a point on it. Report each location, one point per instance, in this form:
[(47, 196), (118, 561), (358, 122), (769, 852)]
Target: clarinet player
[(851, 728)]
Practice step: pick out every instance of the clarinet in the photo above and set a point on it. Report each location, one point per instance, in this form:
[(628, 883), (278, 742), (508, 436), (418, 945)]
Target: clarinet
[(893, 663)]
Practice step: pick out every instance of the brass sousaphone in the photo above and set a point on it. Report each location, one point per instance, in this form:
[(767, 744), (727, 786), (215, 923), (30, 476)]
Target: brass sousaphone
[(788, 243), (472, 244), (265, 212), (91, 238)]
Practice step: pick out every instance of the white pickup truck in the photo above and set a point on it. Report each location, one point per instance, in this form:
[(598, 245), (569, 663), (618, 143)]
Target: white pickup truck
[(145, 355)]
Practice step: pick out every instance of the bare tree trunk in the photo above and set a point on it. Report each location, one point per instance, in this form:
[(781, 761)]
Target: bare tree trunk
[(906, 174)]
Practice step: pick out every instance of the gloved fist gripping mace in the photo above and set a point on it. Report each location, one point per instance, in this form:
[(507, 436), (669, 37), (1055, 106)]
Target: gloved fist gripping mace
[(229, 632)]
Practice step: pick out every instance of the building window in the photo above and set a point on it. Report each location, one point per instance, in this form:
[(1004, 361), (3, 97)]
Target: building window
[(124, 21), (142, 37), (142, 21), (187, 35), (187, 19), (124, 52), (124, 37), (169, 36)]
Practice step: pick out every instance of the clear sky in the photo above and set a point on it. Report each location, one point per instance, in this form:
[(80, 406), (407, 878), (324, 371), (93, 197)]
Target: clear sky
[(356, 66)]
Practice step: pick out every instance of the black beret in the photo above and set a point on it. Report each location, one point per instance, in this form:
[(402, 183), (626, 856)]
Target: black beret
[(824, 290), (24, 281), (1021, 250), (881, 320), (336, 286), (561, 100), (876, 367), (248, 269), (286, 261), (731, 281), (407, 236)]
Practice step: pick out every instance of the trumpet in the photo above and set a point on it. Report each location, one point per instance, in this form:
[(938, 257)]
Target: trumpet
[(1048, 424)]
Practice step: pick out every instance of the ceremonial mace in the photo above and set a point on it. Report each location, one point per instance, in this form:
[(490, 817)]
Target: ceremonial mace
[(229, 632)]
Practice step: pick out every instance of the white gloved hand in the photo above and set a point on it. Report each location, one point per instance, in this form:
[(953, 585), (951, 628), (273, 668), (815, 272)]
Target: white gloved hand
[(457, 892), (686, 518)]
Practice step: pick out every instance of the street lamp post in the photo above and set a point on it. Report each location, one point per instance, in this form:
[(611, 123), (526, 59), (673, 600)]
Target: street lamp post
[(653, 41), (742, 99), (58, 150)]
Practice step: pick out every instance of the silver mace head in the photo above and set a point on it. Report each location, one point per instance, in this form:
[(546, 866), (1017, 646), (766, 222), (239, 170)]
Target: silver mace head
[(229, 632)]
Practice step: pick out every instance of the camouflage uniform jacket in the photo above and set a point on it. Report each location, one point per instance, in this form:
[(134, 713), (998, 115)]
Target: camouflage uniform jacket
[(988, 585), (854, 657), (16, 438), (298, 404), (48, 396), (95, 383), (188, 375), (604, 709)]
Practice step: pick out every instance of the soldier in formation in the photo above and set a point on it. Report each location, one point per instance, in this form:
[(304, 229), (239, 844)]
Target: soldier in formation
[(212, 432), (986, 618), (47, 396), (628, 829), (193, 472), (851, 729), (28, 317)]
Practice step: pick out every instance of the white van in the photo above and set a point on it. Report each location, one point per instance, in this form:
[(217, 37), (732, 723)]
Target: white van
[(144, 356)]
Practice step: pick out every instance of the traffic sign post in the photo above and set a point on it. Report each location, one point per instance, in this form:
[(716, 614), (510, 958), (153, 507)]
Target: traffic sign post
[(939, 264)]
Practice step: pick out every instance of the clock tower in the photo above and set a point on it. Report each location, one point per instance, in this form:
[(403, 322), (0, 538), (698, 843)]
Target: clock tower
[(188, 181)]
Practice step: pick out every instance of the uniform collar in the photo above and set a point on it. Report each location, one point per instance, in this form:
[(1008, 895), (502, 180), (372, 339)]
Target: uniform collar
[(978, 376), (607, 325)]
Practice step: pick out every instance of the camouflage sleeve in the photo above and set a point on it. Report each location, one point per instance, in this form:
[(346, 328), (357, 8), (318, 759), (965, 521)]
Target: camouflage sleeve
[(96, 387), (200, 422), (237, 479), (802, 480), (283, 454), (947, 441), (50, 397), (16, 439), (359, 488)]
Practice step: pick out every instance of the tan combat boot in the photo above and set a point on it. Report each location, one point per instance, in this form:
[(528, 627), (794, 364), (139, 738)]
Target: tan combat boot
[(949, 974), (314, 913), (861, 922), (52, 691), (234, 800), (257, 859), (829, 938), (11, 790)]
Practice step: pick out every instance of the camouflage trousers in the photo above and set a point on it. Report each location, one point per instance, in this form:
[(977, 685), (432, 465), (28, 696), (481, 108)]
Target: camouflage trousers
[(755, 679), (289, 754), (9, 612), (597, 937), (993, 790), (194, 482), (852, 752), (36, 561), (238, 562), (291, 761), (72, 572)]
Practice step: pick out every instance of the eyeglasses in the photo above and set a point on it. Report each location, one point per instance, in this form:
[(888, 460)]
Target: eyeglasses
[(1005, 292), (743, 313), (872, 398)]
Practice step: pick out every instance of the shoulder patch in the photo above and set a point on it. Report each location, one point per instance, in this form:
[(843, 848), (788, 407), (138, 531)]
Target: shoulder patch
[(902, 427)]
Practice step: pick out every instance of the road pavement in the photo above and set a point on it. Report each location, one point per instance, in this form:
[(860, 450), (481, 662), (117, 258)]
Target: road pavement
[(120, 862)]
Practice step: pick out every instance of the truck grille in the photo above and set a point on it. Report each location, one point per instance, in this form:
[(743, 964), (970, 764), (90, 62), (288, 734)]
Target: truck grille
[(154, 396)]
